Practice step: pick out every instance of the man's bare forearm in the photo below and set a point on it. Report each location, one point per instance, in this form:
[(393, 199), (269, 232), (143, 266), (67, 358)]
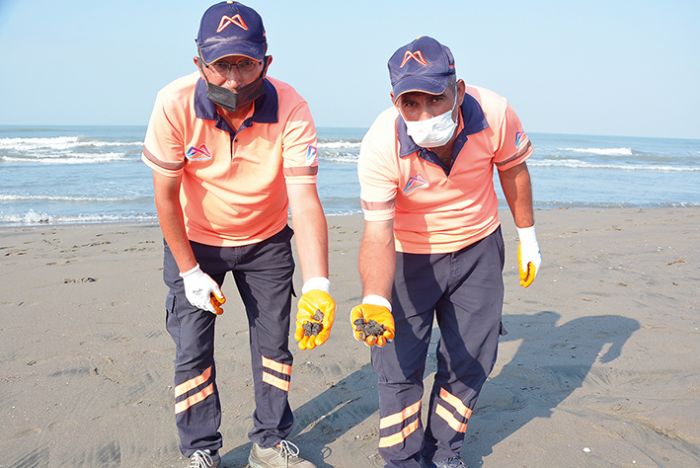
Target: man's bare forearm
[(377, 259), (172, 222), (311, 233), (310, 230), (517, 189)]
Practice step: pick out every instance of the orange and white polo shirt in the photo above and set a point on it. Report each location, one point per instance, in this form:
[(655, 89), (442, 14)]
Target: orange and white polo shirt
[(437, 209), (233, 188)]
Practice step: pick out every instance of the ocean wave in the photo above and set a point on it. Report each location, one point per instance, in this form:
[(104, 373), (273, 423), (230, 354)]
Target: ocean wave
[(576, 163), (350, 158), (32, 217), (8, 197), (602, 151), (59, 143), (347, 158), (99, 144), (339, 144), (67, 158), (339, 212), (551, 204)]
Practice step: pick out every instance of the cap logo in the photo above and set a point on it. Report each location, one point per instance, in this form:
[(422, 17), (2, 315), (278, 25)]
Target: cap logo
[(226, 21), (417, 56)]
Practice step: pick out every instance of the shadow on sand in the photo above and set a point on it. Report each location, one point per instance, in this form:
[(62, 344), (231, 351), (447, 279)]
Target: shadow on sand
[(326, 418), (551, 362)]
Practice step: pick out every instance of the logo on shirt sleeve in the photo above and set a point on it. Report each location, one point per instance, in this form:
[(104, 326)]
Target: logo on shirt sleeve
[(311, 154), (520, 139), (415, 182), (198, 153)]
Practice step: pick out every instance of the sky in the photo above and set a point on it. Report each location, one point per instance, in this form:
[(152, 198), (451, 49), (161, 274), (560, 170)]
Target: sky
[(599, 67)]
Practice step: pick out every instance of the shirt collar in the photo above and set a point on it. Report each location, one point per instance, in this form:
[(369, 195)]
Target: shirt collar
[(266, 106), (473, 119)]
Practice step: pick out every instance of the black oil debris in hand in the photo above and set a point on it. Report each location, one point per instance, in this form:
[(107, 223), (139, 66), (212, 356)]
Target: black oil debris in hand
[(312, 328), (371, 328)]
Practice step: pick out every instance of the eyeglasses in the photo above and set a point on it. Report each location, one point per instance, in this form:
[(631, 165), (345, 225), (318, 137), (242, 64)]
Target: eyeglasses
[(226, 68)]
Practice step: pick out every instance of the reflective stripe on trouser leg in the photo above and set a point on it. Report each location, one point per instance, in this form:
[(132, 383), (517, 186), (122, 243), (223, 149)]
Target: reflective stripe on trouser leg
[(469, 317), (418, 284), (399, 366), (264, 280), (197, 406)]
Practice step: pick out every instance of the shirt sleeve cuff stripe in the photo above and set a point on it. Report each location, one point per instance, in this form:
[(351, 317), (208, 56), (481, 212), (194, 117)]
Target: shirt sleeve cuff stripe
[(300, 171), (372, 206), (171, 166), (517, 155)]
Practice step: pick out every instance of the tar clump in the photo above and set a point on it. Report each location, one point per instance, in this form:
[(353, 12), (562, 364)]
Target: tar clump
[(313, 328), (365, 329)]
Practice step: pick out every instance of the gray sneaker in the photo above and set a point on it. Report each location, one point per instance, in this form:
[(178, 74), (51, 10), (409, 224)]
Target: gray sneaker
[(204, 459), (284, 455), (452, 462)]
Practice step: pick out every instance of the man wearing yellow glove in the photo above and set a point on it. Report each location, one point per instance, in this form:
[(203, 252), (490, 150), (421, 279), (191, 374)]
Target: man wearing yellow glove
[(232, 149), (315, 315), (528, 255), (432, 248)]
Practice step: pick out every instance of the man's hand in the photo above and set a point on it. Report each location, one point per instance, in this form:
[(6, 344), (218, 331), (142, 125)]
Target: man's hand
[(202, 291), (216, 302), (529, 258), (315, 314), (372, 323)]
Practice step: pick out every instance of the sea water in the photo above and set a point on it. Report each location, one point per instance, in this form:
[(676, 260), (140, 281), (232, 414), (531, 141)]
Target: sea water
[(83, 174)]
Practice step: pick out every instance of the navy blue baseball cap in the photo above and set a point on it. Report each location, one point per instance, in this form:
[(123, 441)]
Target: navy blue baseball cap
[(231, 28), (422, 65)]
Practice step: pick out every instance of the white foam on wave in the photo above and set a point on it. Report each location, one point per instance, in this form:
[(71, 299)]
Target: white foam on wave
[(602, 151), (8, 197), (58, 143), (110, 143), (67, 158), (576, 163), (347, 158), (37, 142), (331, 212), (32, 217), (339, 144)]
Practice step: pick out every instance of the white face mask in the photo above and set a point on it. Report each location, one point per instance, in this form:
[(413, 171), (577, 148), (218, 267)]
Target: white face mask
[(433, 132)]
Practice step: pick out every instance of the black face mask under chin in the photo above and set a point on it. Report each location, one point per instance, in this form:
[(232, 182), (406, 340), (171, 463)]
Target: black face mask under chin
[(232, 101)]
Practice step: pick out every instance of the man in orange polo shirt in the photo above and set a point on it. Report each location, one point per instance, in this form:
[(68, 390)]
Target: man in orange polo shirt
[(432, 247), (231, 150)]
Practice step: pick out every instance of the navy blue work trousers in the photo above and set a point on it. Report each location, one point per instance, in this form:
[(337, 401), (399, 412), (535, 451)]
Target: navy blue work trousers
[(263, 276), (463, 291)]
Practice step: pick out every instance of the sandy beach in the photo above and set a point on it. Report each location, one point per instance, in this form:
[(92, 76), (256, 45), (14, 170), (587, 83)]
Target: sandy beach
[(600, 366)]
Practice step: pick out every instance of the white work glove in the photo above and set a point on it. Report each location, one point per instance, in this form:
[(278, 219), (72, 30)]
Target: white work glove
[(199, 289), (529, 258)]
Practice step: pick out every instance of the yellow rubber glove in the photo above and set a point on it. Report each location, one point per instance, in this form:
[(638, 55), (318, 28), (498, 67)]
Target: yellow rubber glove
[(311, 305), (380, 314), (529, 258)]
